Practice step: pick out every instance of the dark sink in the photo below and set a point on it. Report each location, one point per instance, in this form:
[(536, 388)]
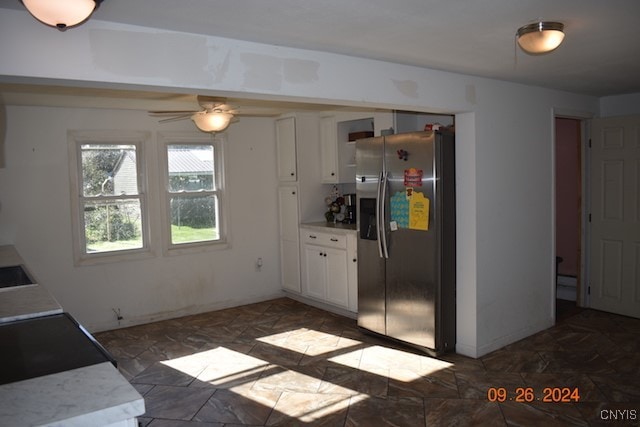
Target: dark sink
[(14, 275)]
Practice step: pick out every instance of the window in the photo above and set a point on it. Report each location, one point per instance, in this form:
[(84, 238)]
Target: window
[(193, 190), (114, 199), (108, 197)]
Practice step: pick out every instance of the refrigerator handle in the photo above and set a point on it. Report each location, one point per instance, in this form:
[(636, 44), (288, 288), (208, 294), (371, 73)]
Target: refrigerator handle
[(378, 207), (383, 216)]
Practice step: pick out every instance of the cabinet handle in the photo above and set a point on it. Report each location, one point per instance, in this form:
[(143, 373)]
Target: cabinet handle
[(311, 236), (293, 192), (324, 254), (333, 239), (292, 174), (355, 260), (333, 174)]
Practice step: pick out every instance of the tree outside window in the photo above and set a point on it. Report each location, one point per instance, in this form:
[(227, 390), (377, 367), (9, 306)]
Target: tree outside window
[(110, 199)]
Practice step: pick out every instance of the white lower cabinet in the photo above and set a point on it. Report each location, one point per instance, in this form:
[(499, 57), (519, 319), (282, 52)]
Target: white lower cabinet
[(315, 271), (337, 279), (327, 271), (352, 271), (290, 256)]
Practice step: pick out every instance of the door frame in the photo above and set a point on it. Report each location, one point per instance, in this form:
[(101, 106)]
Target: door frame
[(582, 294)]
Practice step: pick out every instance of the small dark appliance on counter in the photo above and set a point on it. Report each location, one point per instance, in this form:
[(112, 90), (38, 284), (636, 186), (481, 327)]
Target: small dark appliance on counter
[(349, 209)]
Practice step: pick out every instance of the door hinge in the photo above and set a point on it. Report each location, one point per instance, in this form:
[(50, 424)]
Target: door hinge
[(588, 290), (589, 142), (589, 217)]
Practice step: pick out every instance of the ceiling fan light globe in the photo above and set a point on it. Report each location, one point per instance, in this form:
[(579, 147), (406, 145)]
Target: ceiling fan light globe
[(212, 121), (541, 37), (60, 13)]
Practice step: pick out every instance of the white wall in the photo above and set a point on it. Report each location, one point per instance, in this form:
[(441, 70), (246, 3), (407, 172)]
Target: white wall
[(35, 216), (506, 252), (620, 105)]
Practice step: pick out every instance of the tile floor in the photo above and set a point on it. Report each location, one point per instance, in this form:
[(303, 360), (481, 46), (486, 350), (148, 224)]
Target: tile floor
[(285, 363)]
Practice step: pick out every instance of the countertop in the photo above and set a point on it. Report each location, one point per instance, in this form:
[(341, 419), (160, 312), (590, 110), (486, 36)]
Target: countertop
[(90, 396), (27, 301), (331, 227), (9, 256)]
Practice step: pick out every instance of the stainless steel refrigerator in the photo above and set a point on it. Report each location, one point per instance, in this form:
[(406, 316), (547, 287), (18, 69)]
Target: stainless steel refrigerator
[(405, 187)]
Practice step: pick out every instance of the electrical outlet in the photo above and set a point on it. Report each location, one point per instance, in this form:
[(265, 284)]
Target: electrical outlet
[(117, 313)]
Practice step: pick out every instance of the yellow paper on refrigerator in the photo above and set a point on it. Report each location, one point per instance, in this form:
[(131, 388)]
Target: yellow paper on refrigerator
[(418, 212)]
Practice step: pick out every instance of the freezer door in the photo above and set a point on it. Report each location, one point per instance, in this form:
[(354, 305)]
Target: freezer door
[(412, 269), (371, 267)]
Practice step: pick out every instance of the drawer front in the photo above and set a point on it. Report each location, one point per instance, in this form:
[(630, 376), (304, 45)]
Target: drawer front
[(324, 239)]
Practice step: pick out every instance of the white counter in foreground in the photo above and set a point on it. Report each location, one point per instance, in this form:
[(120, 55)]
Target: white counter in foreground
[(95, 395), (26, 302)]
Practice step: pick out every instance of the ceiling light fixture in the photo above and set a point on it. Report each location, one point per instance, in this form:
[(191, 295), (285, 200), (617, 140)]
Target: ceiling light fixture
[(212, 121), (540, 37), (61, 14)]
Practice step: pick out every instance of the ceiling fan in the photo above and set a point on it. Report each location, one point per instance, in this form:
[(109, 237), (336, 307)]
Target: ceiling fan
[(215, 115)]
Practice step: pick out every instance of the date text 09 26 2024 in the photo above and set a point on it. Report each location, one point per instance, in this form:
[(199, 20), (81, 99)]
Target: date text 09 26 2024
[(528, 394)]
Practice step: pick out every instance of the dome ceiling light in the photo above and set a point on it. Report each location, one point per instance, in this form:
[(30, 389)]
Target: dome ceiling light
[(61, 14), (540, 37), (212, 121)]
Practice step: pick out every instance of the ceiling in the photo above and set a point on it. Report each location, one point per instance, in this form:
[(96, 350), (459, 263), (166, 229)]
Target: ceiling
[(600, 55)]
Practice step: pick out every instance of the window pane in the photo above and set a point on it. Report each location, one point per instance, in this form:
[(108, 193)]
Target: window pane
[(109, 169), (112, 225), (194, 219), (190, 167)]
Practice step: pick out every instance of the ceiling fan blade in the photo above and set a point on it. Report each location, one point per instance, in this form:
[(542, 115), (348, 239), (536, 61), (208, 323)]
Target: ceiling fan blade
[(257, 114), (175, 119), (171, 113)]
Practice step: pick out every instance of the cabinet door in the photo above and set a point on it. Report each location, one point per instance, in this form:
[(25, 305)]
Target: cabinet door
[(288, 214), (290, 265), (329, 150), (315, 275), (352, 271), (289, 237), (286, 148), (336, 276)]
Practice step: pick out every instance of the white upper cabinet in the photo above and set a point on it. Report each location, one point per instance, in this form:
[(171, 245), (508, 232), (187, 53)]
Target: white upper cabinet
[(286, 148), (329, 150), (338, 133)]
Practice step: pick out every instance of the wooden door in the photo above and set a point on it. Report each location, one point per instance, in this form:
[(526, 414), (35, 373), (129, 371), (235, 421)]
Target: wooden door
[(615, 215)]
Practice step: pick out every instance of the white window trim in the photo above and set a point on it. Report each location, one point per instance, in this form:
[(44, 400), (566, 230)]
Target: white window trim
[(193, 138), (75, 140)]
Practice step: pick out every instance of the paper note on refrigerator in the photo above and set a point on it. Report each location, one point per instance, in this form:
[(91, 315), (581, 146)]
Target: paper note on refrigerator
[(410, 209), (399, 206), (418, 211)]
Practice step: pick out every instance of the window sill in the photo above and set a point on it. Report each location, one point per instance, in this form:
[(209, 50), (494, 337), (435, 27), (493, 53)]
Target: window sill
[(114, 257), (192, 248)]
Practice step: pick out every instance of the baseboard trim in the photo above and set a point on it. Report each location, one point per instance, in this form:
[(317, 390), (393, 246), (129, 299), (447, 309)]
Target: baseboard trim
[(188, 311), (321, 305), (567, 281), (514, 337)]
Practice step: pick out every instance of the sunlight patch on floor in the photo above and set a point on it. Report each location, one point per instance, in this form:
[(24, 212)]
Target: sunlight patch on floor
[(251, 377), (229, 368)]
